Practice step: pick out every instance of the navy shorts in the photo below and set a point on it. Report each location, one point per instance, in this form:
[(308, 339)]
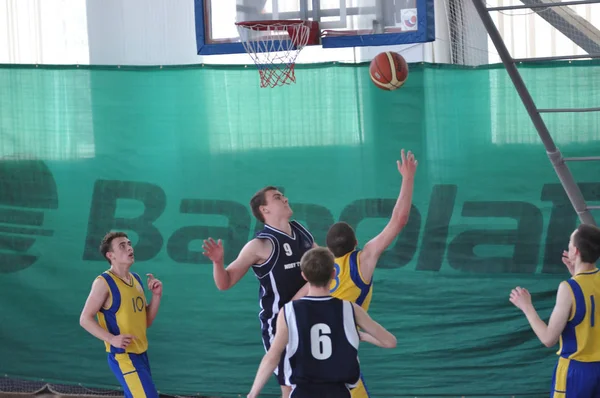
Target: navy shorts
[(267, 338), (574, 379), (320, 391)]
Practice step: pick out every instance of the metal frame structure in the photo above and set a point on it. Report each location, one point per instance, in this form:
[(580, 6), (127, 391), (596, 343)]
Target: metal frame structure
[(556, 158)]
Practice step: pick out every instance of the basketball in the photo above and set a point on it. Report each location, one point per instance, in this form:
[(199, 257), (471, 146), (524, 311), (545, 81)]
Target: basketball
[(388, 70)]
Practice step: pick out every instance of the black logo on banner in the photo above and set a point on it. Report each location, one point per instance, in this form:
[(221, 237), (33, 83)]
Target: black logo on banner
[(428, 239), (27, 192)]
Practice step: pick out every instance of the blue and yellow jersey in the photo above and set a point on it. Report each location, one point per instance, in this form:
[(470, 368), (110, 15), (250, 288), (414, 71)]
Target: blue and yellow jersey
[(580, 340), (348, 283), (126, 312)]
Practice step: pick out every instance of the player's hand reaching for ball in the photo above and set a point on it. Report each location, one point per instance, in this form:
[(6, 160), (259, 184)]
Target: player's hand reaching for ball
[(521, 298), (407, 166), (154, 285), (213, 250), (121, 341)]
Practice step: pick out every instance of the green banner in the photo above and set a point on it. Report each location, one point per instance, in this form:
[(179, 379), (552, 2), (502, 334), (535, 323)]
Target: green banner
[(173, 155)]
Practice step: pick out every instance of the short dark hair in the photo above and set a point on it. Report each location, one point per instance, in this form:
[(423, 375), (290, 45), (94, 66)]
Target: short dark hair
[(260, 199), (105, 245), (317, 264), (341, 239), (587, 241)]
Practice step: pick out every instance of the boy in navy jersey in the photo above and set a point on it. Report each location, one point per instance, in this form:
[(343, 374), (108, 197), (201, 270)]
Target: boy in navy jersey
[(319, 338), (274, 256)]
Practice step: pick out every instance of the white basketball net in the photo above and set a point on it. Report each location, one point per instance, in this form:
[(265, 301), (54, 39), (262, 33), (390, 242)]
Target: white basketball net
[(274, 47)]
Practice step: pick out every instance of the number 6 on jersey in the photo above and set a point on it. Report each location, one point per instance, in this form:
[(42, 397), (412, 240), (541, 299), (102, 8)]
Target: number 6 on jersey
[(320, 342)]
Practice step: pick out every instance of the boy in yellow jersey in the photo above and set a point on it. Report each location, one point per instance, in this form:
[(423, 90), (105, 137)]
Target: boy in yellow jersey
[(574, 319), (354, 268), (117, 299)]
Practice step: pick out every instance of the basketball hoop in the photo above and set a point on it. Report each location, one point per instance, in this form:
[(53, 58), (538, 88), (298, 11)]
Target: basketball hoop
[(274, 46)]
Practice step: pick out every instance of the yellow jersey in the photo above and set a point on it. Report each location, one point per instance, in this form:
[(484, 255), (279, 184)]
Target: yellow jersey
[(348, 283), (126, 313), (580, 340)]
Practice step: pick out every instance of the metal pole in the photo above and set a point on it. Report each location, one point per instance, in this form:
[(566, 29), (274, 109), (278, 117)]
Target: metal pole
[(304, 11), (544, 5), (557, 58), (571, 188), (316, 6), (557, 110), (582, 159)]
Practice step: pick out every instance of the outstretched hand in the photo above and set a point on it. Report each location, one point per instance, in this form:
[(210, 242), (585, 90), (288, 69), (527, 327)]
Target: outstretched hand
[(213, 250), (520, 297), (407, 166)]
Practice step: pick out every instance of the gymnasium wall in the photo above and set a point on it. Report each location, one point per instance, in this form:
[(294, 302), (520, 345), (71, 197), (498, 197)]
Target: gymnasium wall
[(173, 155), (149, 32)]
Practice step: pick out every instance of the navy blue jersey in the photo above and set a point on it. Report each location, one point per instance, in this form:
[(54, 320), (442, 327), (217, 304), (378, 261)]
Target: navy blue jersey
[(323, 342), (280, 276)]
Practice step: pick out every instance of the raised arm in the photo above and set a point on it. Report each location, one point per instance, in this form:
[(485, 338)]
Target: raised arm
[(226, 278), (155, 287), (271, 358), (375, 247), (373, 333), (549, 334)]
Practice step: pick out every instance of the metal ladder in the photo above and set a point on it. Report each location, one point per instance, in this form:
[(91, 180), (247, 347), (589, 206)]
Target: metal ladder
[(556, 158)]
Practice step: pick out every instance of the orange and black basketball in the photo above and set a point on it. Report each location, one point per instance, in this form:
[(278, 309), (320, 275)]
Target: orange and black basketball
[(388, 70)]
